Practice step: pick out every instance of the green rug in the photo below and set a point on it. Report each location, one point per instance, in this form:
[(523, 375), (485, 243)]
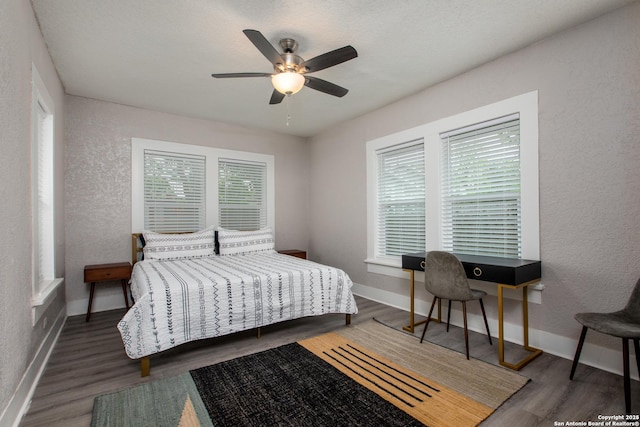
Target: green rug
[(333, 380), (168, 402)]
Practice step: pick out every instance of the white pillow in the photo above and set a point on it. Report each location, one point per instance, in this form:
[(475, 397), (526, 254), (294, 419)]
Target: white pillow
[(179, 246), (234, 242)]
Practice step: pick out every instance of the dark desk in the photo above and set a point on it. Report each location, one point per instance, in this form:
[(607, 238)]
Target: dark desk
[(505, 272)]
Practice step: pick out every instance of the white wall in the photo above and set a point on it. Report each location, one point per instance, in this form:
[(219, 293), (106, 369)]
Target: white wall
[(589, 154), (98, 183), (24, 346)]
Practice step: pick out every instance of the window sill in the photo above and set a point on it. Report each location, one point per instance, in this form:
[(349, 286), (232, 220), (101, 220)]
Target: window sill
[(386, 267), (42, 300)]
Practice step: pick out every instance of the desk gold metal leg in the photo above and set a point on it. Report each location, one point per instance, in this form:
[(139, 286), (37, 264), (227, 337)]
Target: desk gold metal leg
[(412, 304), (525, 317), (525, 330), (500, 325), (412, 284)]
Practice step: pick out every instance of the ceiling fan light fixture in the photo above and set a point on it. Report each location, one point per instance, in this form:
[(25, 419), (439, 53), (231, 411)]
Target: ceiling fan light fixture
[(290, 72), (288, 82)]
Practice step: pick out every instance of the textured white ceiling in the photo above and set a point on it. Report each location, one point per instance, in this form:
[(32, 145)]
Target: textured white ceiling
[(159, 54)]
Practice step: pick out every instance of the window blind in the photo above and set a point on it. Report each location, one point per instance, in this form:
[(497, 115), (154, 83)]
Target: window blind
[(45, 191), (480, 189), (174, 192), (242, 194), (401, 199)]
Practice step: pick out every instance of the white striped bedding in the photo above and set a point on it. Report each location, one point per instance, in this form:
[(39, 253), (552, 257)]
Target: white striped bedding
[(177, 301)]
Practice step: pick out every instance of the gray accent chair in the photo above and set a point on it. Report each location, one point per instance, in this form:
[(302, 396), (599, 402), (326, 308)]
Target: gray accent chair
[(623, 324), (445, 278)]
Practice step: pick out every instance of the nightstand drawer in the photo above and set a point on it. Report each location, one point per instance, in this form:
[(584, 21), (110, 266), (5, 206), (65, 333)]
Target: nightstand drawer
[(116, 271)]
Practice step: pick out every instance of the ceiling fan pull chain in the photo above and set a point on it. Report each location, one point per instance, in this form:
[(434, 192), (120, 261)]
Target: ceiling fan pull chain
[(288, 102)]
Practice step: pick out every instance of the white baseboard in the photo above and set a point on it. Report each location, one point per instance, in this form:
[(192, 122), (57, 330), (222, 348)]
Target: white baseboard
[(21, 399), (607, 359), (100, 303)]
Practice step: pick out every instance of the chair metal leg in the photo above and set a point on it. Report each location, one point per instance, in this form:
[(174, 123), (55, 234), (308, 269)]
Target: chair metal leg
[(466, 331), (448, 315), (636, 345), (485, 321), (433, 304), (627, 379), (583, 334)]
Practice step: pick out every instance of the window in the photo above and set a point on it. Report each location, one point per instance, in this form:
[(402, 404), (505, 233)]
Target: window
[(480, 189), (182, 187), (44, 281), (174, 192), (401, 195), (43, 191), (480, 172), (241, 194)]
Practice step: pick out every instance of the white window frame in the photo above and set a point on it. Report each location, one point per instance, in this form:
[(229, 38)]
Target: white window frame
[(212, 155), (44, 281), (384, 264), (527, 106)]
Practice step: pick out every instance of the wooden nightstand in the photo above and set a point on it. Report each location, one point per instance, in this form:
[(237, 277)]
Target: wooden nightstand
[(107, 272), (295, 252)]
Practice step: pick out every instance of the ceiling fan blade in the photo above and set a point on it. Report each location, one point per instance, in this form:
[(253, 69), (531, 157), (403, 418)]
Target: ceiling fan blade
[(330, 59), (276, 97), (231, 75), (264, 46), (325, 86)]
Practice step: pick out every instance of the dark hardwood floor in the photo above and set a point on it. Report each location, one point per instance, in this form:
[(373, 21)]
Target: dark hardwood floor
[(89, 360)]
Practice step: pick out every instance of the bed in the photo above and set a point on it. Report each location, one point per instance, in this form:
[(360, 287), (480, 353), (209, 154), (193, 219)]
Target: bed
[(211, 283)]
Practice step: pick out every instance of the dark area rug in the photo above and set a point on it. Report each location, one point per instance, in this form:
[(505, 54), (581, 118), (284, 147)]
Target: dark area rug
[(289, 386)]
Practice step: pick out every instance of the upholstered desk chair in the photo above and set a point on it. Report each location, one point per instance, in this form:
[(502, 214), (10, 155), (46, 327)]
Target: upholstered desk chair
[(445, 279), (624, 324)]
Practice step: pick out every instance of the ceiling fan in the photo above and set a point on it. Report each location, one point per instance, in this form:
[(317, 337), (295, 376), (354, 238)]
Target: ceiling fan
[(291, 71)]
